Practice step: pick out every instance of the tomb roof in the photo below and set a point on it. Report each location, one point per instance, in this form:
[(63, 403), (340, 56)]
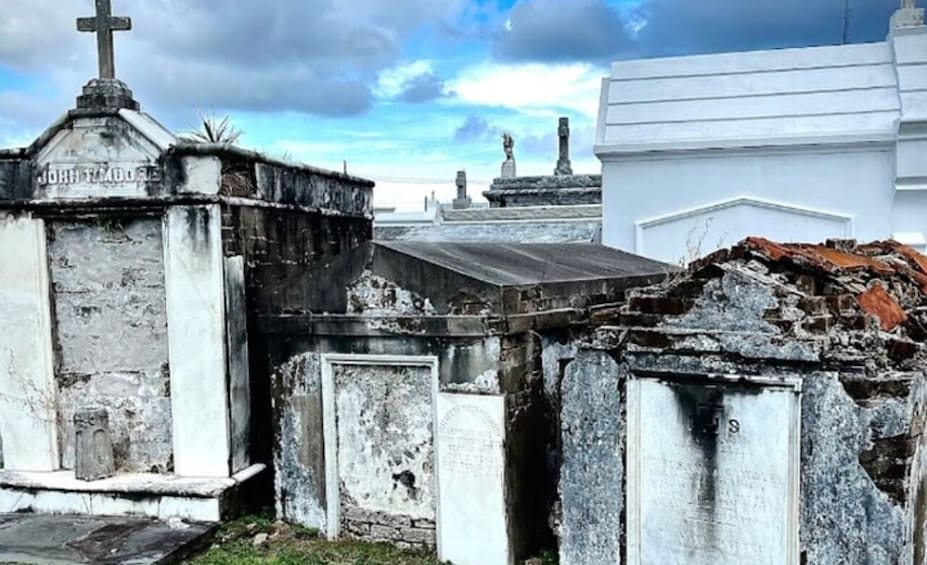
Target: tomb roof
[(482, 280), (757, 98), (516, 264)]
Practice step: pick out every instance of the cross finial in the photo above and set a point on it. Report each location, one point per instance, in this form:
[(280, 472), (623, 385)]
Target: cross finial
[(104, 24)]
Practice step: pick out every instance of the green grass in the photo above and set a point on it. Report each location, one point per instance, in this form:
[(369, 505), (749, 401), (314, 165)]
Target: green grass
[(291, 545)]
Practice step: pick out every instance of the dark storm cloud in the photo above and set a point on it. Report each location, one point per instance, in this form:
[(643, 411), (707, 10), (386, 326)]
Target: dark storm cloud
[(710, 26), (422, 88), (597, 30), (314, 56), (562, 30)]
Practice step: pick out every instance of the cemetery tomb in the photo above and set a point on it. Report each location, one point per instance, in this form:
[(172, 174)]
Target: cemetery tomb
[(767, 406), (409, 402), (804, 144), (134, 270), (559, 208)]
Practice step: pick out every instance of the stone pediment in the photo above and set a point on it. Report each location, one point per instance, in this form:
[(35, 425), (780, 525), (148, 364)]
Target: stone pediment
[(703, 229), (115, 155)]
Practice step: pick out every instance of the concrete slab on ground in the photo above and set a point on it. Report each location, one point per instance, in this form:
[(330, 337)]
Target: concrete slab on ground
[(70, 540)]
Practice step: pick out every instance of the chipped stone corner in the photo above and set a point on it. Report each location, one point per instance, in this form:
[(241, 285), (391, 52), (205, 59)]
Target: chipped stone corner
[(299, 477)]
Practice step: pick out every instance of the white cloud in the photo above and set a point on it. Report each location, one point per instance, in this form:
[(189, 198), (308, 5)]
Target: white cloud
[(534, 88), (392, 82)]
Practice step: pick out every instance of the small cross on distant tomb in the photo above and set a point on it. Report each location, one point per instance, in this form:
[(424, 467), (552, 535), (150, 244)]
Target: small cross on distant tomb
[(104, 24)]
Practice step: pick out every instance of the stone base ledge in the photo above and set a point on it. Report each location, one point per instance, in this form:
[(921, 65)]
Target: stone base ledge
[(150, 495)]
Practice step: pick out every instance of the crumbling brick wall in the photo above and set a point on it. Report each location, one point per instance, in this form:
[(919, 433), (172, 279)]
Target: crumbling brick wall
[(276, 243), (848, 320)]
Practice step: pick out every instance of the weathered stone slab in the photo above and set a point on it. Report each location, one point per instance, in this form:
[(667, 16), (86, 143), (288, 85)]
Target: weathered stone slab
[(239, 383), (591, 432), (379, 443), (27, 404), (46, 539), (111, 335), (472, 525), (713, 470), (93, 457)]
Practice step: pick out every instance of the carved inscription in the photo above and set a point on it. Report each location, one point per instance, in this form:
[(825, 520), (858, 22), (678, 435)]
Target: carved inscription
[(471, 443), (98, 174), (472, 524), (713, 482)]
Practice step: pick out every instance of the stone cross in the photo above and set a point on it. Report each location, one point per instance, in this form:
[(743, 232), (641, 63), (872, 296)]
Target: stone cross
[(104, 24), (462, 201), (461, 184), (563, 164), (907, 4)]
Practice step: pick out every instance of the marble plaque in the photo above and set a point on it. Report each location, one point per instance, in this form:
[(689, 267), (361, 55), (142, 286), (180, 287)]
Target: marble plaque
[(713, 471), (472, 522), (97, 157)]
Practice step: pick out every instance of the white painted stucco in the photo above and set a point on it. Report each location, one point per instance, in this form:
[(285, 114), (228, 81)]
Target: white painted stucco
[(132, 494), (195, 281), (28, 395), (792, 144)]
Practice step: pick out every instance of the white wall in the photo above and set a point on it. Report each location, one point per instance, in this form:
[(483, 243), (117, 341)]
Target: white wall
[(195, 281), (676, 206)]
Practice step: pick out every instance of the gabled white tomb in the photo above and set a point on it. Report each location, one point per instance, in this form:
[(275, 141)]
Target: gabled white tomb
[(793, 144)]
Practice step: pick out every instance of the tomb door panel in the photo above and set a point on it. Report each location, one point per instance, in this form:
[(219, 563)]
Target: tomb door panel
[(713, 470), (379, 420)]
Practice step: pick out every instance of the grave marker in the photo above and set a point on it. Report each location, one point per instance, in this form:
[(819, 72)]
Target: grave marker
[(713, 468), (104, 24), (472, 525)]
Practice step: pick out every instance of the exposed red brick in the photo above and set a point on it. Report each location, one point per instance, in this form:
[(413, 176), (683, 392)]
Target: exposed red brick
[(818, 256), (772, 250), (850, 261), (913, 255), (879, 303)]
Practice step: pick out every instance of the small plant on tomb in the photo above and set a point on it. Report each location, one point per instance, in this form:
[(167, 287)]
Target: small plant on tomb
[(215, 130)]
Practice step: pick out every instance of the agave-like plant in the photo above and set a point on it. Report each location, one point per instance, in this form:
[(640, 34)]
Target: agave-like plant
[(215, 130)]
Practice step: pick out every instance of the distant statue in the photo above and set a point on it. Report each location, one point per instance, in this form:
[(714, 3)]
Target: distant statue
[(909, 16), (508, 147)]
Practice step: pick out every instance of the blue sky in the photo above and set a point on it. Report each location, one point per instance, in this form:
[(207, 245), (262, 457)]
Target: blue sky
[(406, 91)]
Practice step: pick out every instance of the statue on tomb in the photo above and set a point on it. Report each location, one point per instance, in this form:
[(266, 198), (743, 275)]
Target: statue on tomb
[(508, 147), (909, 16)]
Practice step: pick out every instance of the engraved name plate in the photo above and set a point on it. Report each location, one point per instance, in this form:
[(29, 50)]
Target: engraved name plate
[(713, 471)]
